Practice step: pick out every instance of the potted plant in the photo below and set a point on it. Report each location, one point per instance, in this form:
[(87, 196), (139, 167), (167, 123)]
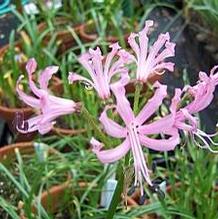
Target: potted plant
[(28, 168)]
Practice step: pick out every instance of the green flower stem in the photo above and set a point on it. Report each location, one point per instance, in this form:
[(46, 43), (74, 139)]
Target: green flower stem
[(93, 123), (138, 89), (117, 193), (119, 188)]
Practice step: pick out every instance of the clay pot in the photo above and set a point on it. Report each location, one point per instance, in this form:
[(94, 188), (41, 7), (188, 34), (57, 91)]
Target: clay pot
[(50, 199), (130, 87), (64, 37), (8, 152), (88, 35)]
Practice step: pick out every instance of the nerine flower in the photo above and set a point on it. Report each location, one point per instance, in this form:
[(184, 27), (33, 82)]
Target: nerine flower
[(50, 107), (202, 94), (136, 132), (102, 71), (151, 60)]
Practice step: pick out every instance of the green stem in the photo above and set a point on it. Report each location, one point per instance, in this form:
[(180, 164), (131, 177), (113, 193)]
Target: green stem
[(117, 194), (138, 89), (92, 122)]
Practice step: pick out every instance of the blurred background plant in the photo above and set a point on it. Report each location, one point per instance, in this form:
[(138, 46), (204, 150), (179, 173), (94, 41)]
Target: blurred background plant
[(207, 12)]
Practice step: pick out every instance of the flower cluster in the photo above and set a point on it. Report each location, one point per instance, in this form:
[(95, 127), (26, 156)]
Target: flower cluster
[(109, 76)]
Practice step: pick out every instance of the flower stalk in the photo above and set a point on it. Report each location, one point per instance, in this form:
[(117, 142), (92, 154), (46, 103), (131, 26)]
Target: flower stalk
[(138, 89), (92, 122)]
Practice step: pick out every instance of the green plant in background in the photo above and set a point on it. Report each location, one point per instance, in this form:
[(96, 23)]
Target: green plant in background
[(208, 10), (31, 44), (191, 176)]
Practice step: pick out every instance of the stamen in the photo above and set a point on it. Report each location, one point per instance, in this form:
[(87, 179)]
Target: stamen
[(208, 136), (206, 145), (20, 123)]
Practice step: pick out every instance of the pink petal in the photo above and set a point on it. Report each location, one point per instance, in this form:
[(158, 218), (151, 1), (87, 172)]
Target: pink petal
[(133, 44), (161, 144), (192, 121), (159, 126), (112, 128), (45, 128), (75, 77), (123, 81), (123, 106), (46, 75), (162, 39), (114, 49), (31, 66), (164, 65), (85, 61), (152, 104), (176, 100), (169, 51), (53, 103), (31, 101), (203, 95), (32, 124), (143, 41), (110, 155), (97, 58)]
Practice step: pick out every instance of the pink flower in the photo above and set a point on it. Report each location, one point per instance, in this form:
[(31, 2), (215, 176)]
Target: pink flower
[(49, 106), (202, 94), (136, 132), (101, 73), (151, 60)]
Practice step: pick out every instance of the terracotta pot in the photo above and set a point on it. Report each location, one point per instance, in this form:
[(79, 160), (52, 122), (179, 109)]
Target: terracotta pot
[(130, 87), (8, 151), (92, 36), (64, 37), (50, 199)]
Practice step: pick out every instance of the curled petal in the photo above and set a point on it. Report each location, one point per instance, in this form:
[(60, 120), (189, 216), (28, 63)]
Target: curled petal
[(168, 51), (114, 49), (112, 128), (132, 42), (46, 75), (31, 101), (32, 125), (192, 126), (161, 144), (110, 155), (31, 66), (164, 65), (162, 39), (75, 77), (85, 61)]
